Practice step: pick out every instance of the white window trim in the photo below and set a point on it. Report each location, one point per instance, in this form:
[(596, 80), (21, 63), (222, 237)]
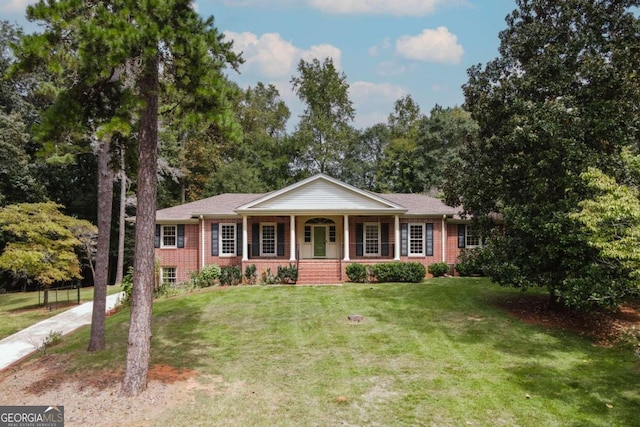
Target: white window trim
[(275, 239), (234, 226), (467, 229), (422, 238), (162, 278), (175, 228), (364, 239)]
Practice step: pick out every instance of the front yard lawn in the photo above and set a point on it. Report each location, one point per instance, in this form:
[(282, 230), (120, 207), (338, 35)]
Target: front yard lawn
[(438, 353)]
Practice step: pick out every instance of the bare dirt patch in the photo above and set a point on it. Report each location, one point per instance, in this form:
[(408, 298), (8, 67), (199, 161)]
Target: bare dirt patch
[(94, 398), (605, 328)]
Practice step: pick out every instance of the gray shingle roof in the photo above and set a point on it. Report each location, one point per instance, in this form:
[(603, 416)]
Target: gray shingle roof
[(224, 205), (419, 204)]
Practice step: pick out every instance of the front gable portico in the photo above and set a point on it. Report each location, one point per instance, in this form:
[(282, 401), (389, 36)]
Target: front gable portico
[(318, 208)]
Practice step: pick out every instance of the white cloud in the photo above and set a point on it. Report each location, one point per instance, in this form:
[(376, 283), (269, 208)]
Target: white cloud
[(437, 45), (371, 7), (372, 99), (321, 52), (391, 68), (13, 6), (387, 7), (377, 49), (270, 56)]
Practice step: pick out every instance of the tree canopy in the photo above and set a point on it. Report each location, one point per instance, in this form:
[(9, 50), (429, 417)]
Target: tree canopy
[(561, 98), (41, 242)]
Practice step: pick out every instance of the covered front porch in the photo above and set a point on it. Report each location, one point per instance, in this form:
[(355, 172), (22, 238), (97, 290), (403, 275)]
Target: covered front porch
[(321, 237)]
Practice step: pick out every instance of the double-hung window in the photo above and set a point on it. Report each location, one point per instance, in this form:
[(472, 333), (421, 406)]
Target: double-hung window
[(169, 236), (416, 239), (472, 240), (268, 241), (168, 275), (372, 239), (228, 239)]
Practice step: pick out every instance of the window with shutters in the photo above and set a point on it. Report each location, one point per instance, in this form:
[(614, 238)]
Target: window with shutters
[(416, 239), (472, 239), (228, 239), (267, 239), (372, 239), (169, 236)]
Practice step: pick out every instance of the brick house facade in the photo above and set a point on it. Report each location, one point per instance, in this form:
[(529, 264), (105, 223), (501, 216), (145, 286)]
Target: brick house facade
[(319, 224)]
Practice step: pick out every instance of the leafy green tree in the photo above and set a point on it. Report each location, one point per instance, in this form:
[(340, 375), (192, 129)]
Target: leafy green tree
[(265, 147), (40, 242), (399, 171), (325, 124), (124, 45), (610, 220), (364, 157), (17, 173), (440, 137), (561, 98)]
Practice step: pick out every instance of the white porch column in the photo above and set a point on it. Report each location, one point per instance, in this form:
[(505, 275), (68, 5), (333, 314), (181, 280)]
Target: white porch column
[(201, 242), (292, 238), (444, 238), (346, 238), (245, 238), (396, 245)]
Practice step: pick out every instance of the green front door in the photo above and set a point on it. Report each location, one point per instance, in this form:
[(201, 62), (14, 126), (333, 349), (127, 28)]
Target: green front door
[(319, 241)]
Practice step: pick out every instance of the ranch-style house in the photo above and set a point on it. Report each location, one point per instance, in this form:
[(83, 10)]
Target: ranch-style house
[(319, 224)]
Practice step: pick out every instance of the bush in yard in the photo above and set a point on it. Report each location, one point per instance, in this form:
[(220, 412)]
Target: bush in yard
[(207, 277), (413, 272), (287, 275), (268, 278), (470, 262), (438, 269), (230, 275), (357, 272), (127, 287), (251, 274)]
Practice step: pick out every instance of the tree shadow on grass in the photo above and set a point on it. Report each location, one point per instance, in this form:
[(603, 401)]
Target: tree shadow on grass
[(556, 364)]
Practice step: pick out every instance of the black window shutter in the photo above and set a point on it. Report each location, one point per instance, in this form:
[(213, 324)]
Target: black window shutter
[(157, 241), (255, 240), (429, 246), (280, 250), (384, 237), (461, 235), (359, 239), (181, 235), (239, 240), (404, 239), (215, 238)]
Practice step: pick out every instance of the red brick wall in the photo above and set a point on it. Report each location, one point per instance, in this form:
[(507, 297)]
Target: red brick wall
[(186, 260)]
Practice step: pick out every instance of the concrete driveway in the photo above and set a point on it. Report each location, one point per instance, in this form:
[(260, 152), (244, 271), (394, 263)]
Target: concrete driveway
[(21, 344)]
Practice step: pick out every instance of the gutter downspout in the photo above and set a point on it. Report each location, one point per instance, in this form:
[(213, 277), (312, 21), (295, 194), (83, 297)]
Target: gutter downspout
[(444, 238), (201, 242)]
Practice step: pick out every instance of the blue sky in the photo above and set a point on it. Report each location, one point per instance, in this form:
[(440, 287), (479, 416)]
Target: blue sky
[(385, 48)]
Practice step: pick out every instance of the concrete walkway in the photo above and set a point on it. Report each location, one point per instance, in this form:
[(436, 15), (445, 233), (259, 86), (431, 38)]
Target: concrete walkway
[(27, 341)]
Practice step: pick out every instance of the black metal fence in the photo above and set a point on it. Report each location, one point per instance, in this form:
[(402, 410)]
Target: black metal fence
[(60, 296)]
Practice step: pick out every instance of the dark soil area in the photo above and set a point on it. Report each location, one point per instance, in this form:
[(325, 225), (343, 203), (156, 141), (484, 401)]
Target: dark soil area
[(604, 327)]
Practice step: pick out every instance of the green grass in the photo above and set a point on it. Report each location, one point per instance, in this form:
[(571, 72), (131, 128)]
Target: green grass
[(22, 309), (437, 353)]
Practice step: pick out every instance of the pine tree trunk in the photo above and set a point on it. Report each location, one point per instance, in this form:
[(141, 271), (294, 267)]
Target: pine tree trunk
[(139, 342), (101, 275), (121, 218)]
